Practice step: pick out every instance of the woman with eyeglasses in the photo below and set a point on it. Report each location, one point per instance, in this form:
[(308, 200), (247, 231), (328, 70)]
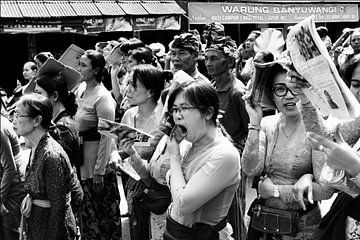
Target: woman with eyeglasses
[(205, 174), (277, 150), (48, 174)]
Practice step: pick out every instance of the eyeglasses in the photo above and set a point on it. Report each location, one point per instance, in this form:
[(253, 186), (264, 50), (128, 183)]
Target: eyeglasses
[(18, 115), (281, 90), (181, 110)]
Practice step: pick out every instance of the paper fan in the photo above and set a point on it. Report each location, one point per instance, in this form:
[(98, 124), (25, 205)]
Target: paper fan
[(271, 40), (72, 77)]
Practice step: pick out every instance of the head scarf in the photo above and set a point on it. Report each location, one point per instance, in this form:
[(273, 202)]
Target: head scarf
[(215, 27), (224, 45), (186, 41)]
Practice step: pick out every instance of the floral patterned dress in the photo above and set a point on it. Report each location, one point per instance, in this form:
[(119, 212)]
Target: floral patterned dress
[(48, 177)]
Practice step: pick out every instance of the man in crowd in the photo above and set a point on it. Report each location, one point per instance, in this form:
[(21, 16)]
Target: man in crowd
[(220, 60), (184, 53), (212, 31)]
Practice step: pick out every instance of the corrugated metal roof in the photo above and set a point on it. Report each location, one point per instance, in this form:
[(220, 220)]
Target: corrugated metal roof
[(59, 8), (133, 8), (173, 7), (155, 7), (9, 9), (33, 9), (110, 8), (85, 8)]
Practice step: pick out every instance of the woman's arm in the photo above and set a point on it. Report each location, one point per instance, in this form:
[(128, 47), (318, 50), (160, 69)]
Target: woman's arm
[(105, 108), (252, 160)]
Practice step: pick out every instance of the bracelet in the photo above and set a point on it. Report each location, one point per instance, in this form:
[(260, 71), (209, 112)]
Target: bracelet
[(254, 127)]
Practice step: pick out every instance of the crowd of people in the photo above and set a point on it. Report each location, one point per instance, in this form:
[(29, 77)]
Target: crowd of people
[(209, 138)]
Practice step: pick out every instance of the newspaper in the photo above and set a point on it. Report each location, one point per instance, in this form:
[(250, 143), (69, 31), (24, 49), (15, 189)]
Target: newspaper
[(119, 131), (311, 59)]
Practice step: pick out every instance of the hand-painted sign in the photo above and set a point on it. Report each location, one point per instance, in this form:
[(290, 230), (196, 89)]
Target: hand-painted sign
[(202, 13)]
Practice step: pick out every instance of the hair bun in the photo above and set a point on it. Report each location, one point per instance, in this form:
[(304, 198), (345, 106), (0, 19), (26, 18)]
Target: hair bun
[(167, 75)]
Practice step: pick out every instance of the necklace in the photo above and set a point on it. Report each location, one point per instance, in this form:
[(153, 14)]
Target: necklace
[(291, 133)]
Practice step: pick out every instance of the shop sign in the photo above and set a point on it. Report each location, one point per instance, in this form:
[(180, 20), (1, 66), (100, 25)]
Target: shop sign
[(202, 13), (29, 28), (167, 22), (93, 25), (120, 24)]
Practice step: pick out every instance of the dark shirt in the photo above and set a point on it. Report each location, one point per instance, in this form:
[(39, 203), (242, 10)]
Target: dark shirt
[(234, 116), (11, 179)]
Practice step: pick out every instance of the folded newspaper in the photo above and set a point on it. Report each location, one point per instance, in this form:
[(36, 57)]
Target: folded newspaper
[(119, 131), (310, 58)]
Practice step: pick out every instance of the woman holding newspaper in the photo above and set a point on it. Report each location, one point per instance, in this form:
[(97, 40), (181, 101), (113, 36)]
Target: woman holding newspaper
[(145, 83), (342, 169), (100, 211), (277, 149)]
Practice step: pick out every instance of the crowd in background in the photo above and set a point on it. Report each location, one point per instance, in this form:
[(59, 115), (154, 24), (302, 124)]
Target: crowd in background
[(209, 139)]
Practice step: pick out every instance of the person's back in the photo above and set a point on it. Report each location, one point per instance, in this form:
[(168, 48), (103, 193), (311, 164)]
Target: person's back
[(12, 182)]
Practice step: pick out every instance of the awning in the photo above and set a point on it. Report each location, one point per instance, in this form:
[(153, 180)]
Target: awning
[(133, 8), (85, 8), (173, 7), (59, 8), (33, 9), (110, 8), (9, 9), (155, 7)]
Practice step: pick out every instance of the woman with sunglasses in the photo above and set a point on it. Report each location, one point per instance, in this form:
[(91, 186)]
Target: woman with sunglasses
[(277, 149)]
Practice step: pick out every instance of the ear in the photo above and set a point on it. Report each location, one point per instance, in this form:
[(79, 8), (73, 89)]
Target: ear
[(54, 97), (37, 121), (209, 113), (195, 55), (230, 62), (150, 93)]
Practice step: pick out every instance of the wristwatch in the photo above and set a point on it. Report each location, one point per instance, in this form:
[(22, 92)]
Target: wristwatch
[(276, 191)]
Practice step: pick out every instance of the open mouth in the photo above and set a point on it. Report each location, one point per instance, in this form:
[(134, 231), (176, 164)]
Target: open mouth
[(182, 129), (178, 132), (289, 104)]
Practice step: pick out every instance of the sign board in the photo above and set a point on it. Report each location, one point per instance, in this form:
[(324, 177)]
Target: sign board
[(32, 28), (167, 22), (93, 25), (118, 24), (230, 13)]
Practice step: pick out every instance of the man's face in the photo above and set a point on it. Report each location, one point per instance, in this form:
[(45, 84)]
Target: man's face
[(183, 59), (355, 41), (216, 62)]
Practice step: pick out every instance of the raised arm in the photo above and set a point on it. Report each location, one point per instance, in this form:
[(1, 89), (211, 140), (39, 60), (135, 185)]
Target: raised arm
[(252, 160)]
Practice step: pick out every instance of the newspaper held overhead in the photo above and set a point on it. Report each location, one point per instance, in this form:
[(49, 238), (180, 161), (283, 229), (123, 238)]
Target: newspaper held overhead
[(311, 59)]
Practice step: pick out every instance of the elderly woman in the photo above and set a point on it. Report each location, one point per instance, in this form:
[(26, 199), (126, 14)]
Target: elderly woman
[(100, 212), (48, 174), (203, 178), (277, 149)]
